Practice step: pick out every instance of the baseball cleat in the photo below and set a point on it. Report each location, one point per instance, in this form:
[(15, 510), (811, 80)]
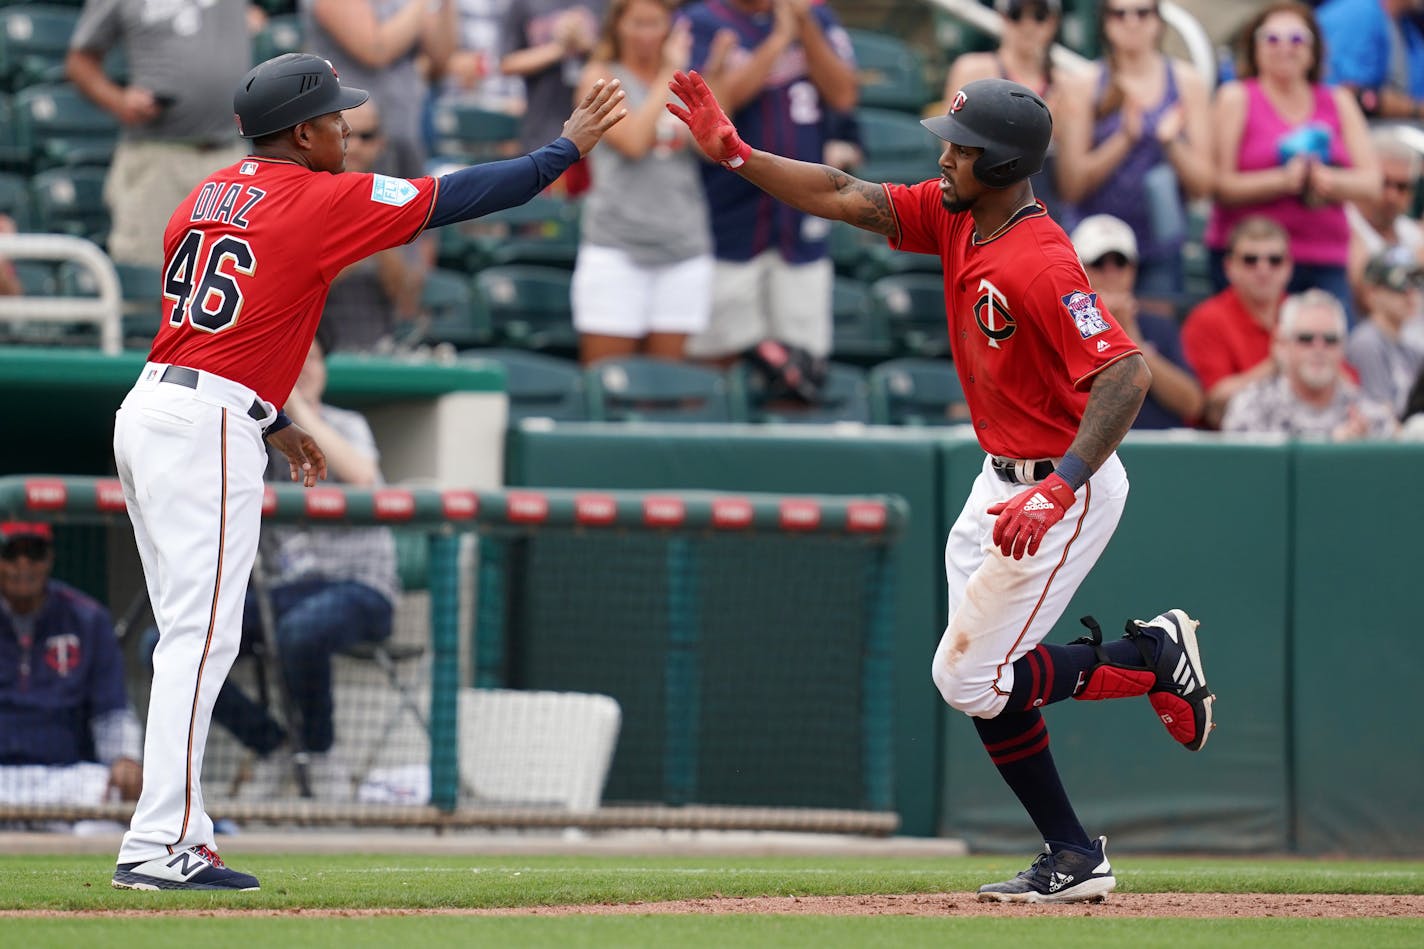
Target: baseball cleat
[(1068, 876), (1180, 696), (197, 868)]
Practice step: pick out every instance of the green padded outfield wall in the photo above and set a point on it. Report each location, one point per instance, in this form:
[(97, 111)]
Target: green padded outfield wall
[(1358, 650), (800, 460), (1206, 529)]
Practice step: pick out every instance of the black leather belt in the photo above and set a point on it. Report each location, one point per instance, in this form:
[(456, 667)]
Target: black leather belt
[(183, 376), (1013, 470)]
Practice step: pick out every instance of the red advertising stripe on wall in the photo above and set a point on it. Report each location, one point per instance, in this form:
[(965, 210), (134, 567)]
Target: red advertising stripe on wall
[(393, 504), (731, 513), (459, 505), (109, 495), (800, 515), (46, 494), (526, 507), (325, 502), (865, 517), (664, 512), (595, 509)]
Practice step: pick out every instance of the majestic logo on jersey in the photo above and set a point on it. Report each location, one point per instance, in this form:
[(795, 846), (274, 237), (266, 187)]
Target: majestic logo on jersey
[(960, 99), (1083, 307), (992, 314), (397, 192), (62, 653)]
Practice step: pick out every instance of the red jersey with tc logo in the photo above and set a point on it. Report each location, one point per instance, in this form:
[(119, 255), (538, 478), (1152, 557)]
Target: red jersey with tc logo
[(1026, 330), (249, 257)]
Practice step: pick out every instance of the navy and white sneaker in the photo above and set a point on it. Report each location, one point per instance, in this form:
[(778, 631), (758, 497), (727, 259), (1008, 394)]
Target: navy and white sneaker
[(1068, 876), (197, 868), (1180, 697)]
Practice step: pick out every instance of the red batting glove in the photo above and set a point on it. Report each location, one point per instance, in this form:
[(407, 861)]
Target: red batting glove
[(714, 132), (1027, 516)]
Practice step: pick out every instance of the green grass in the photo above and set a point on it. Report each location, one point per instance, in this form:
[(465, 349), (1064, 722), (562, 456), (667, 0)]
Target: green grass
[(404, 881), (414, 882)]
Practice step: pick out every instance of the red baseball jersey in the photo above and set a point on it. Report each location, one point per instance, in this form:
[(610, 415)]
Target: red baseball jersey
[(1026, 330), (250, 255)]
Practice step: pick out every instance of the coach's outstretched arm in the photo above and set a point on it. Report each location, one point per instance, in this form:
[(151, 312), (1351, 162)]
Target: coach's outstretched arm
[(483, 189), (816, 189)]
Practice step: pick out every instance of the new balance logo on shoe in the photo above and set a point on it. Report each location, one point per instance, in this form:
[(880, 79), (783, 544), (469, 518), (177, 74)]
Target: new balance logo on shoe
[(190, 862), (1038, 503)]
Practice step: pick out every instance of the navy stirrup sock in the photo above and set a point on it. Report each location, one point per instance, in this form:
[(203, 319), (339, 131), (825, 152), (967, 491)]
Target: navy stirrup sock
[(1017, 743)]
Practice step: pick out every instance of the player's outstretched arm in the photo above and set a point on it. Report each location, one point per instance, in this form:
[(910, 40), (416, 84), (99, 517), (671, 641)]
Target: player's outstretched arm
[(816, 189), (304, 455), (483, 189)]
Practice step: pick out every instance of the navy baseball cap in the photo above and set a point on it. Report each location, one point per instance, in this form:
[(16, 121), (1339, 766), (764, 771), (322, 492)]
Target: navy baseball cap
[(288, 90)]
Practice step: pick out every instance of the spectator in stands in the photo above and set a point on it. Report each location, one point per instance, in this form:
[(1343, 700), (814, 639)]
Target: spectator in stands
[(547, 43), (391, 48), (1412, 417), (329, 588), (1134, 141), (1310, 396), (778, 67), (1376, 52), (472, 74), (1377, 349), (643, 280), (175, 113), (1227, 338), (375, 301), (10, 285), (1108, 250), (1384, 222), (1290, 148), (1025, 56), (63, 703)]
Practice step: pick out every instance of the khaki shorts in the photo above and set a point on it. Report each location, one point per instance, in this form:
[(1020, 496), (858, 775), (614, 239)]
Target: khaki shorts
[(147, 180), (767, 298)]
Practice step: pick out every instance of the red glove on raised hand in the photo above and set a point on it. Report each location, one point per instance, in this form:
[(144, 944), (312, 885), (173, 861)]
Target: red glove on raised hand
[(1027, 516), (714, 132)]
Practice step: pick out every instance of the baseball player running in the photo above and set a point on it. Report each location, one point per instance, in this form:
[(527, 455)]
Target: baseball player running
[(1053, 384), (249, 257)]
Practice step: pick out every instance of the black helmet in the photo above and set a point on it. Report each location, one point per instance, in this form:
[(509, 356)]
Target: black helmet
[(287, 90), (1009, 121)]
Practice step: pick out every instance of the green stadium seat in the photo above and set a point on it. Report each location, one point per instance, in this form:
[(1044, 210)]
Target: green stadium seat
[(891, 74), (538, 385), (844, 398), (37, 277), (916, 391), (282, 34), (640, 388), (897, 147), (470, 134), (912, 305), (529, 306), (34, 39), (543, 231), (859, 335), (71, 201), (15, 199), (58, 125), (453, 311), (141, 288)]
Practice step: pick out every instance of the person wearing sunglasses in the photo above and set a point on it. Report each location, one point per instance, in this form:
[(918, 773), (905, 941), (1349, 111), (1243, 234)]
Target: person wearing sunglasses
[(63, 702), (1227, 337), (1291, 148), (1376, 50), (1385, 358), (1024, 55), (374, 304), (1135, 142), (1311, 395), (1386, 222)]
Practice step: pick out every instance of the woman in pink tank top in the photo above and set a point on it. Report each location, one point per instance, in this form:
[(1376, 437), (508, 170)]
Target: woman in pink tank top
[(1291, 149)]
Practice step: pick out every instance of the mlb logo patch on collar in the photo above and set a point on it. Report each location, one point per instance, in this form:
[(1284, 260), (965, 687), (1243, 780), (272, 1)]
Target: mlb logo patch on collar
[(1082, 306), (397, 192)]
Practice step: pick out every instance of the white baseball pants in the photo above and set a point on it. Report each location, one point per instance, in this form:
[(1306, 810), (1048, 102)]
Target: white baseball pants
[(191, 463)]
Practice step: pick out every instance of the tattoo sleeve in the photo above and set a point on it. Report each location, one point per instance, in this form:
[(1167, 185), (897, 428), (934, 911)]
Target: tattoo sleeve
[(1113, 402), (864, 204)]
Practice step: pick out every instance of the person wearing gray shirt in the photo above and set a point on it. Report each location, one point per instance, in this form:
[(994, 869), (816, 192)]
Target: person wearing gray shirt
[(1387, 362), (175, 114)]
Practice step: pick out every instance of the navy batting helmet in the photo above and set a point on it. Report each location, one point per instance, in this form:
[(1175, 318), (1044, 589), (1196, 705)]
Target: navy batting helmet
[(1009, 121), (287, 90)]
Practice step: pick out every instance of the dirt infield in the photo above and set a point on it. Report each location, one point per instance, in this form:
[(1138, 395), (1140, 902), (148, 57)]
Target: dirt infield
[(1192, 905)]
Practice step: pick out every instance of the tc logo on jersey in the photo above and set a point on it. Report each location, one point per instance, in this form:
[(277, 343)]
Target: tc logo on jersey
[(991, 313), (1083, 307), (62, 653), (397, 192)]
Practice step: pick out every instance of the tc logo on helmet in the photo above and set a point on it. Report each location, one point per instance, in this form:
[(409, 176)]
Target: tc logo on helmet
[(959, 101)]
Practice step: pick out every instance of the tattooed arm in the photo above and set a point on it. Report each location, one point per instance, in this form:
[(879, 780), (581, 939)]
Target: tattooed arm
[(1113, 401), (821, 190)]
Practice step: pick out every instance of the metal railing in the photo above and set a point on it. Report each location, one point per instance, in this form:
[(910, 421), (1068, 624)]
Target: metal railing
[(105, 310)]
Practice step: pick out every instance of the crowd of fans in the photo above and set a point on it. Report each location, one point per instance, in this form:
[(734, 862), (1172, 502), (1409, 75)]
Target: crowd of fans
[(678, 260)]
